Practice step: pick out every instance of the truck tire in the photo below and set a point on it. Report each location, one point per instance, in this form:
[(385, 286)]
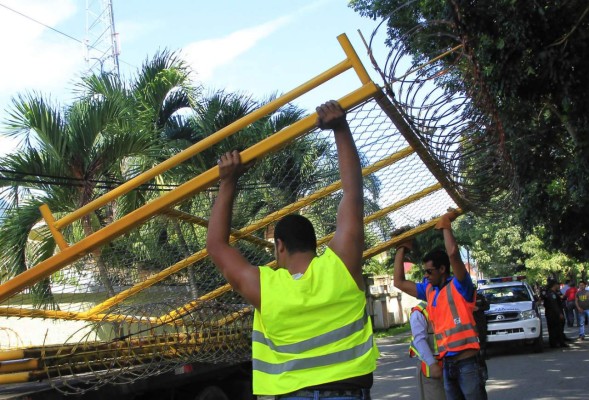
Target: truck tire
[(211, 393)]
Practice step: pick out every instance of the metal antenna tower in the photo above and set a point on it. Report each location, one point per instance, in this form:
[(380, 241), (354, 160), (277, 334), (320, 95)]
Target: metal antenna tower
[(102, 47)]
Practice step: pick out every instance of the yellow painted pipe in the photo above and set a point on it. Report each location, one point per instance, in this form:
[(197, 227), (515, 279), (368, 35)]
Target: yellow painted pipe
[(181, 215), (19, 377), (433, 60), (244, 231), (68, 315), (199, 183), (384, 246), (223, 133), (51, 224), (401, 203), (9, 355), (19, 366), (354, 59)]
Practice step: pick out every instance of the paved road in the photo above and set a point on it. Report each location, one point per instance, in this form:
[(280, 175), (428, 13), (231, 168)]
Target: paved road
[(515, 372)]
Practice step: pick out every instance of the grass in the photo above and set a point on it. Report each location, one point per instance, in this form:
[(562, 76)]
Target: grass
[(395, 331)]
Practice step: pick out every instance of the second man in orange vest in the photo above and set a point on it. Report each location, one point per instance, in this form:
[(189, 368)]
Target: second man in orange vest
[(450, 304)]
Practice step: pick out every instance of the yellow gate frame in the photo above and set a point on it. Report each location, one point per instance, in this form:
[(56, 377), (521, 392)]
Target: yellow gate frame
[(163, 205)]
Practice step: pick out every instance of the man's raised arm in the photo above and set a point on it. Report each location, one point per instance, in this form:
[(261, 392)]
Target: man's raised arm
[(445, 224), (399, 279), (243, 276), (348, 241)]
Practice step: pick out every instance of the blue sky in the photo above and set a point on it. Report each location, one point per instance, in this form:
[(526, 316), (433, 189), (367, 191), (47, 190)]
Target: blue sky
[(256, 47)]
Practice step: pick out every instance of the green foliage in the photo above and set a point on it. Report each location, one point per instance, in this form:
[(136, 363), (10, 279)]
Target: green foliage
[(501, 248), (69, 156), (399, 330), (422, 244), (531, 57), (378, 267), (115, 130)]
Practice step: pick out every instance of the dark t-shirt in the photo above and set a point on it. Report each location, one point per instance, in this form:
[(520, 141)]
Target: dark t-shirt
[(583, 299), (552, 304)]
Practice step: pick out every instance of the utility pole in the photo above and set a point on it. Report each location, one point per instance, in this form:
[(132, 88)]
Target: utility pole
[(102, 41)]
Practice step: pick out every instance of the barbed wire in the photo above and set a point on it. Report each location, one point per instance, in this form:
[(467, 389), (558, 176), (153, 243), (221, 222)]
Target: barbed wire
[(151, 300), (445, 101)]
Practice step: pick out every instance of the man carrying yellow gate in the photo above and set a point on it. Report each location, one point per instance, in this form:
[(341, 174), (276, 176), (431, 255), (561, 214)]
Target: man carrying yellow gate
[(312, 336), (450, 295)]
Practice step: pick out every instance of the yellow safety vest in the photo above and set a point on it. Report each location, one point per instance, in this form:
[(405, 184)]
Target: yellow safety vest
[(312, 330), (431, 341)]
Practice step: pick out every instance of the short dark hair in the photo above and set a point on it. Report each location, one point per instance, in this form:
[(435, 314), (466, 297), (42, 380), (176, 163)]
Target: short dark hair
[(297, 234), (438, 258)]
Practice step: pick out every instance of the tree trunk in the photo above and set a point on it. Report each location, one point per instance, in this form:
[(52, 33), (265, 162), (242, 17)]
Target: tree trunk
[(192, 282), (97, 255)]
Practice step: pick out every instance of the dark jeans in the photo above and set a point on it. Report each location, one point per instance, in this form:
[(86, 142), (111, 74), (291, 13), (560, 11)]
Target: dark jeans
[(571, 314), (555, 331), (363, 394), (464, 379)]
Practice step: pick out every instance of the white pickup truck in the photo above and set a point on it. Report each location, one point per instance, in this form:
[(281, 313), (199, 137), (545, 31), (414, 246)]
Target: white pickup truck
[(514, 314)]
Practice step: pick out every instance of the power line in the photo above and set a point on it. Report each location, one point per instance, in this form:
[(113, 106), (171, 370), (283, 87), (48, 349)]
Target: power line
[(146, 188), (53, 29), (63, 178), (41, 23), (23, 177)]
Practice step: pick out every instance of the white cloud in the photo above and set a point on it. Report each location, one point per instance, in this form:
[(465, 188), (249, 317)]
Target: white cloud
[(34, 57), (207, 55)]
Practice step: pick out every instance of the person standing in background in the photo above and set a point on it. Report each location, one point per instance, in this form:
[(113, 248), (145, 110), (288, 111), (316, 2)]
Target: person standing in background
[(569, 304), (582, 304), (562, 290), (423, 346), (554, 315), (450, 304)]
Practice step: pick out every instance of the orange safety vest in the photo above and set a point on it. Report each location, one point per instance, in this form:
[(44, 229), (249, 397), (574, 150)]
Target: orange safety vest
[(452, 318), (431, 341)]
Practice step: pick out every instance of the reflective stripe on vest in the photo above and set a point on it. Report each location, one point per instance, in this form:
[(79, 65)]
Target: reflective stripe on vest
[(458, 334), (310, 331), (455, 330), (432, 342), (319, 361), (460, 342), (312, 343)]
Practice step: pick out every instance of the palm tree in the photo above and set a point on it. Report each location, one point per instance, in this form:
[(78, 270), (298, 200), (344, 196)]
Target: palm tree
[(279, 179), (109, 134), (213, 112)]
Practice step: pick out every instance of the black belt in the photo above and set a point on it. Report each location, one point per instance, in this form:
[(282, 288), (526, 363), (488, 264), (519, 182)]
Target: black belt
[(323, 394), (454, 360)]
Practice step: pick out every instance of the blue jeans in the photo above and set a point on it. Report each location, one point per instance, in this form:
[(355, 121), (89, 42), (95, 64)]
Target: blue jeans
[(464, 379), (319, 394), (571, 314), (582, 315)]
